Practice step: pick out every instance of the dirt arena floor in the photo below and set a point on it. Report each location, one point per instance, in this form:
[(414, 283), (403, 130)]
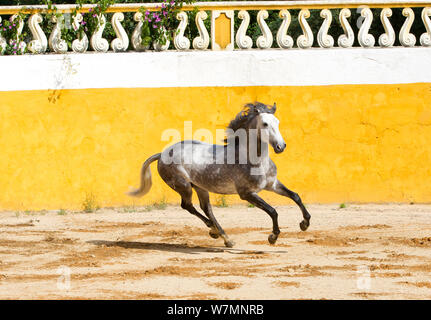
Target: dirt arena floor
[(357, 252)]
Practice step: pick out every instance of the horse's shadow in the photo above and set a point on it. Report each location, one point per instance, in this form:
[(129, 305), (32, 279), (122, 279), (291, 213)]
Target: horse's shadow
[(171, 247)]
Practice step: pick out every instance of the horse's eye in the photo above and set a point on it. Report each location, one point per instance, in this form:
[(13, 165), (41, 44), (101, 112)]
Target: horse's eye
[(265, 124)]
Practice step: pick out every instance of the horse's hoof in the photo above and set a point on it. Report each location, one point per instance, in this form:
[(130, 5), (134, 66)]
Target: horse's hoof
[(214, 234), (229, 243), (272, 238), (304, 225)]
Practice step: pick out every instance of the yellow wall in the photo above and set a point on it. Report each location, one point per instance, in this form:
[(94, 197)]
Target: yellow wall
[(362, 143)]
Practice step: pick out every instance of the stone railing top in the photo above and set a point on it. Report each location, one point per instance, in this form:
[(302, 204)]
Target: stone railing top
[(223, 5)]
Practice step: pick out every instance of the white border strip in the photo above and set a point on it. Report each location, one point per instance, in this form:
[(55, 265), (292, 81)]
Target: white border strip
[(309, 67), (234, 4)]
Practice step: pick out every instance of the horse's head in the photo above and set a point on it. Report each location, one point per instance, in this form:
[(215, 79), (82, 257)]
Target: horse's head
[(267, 124), (260, 117)]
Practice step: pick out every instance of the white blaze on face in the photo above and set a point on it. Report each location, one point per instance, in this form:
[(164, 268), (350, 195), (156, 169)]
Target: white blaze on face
[(269, 122)]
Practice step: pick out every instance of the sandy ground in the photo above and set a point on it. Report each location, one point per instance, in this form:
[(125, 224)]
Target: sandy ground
[(359, 252)]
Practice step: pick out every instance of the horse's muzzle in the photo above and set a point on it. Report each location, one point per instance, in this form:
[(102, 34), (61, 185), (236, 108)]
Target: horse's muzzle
[(279, 148)]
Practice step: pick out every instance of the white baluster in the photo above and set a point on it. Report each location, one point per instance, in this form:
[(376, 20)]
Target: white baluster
[(407, 39), (21, 44), (266, 39), (159, 46), (39, 44), (346, 40), (305, 40), (79, 45), (121, 42), (181, 42), (98, 43), (323, 38), (425, 38), (137, 34), (3, 43), (202, 42), (388, 38), (365, 39), (55, 42), (283, 39), (242, 40)]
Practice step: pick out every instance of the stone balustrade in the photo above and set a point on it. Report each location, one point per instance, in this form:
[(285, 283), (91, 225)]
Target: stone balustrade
[(217, 30)]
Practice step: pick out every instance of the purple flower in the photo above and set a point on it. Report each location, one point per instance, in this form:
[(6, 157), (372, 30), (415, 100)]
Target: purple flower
[(163, 5), (158, 19), (83, 23), (10, 27), (154, 26), (91, 9), (165, 13), (172, 2), (147, 13), (94, 15)]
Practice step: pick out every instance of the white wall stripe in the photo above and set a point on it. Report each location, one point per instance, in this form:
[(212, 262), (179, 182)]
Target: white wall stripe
[(207, 69)]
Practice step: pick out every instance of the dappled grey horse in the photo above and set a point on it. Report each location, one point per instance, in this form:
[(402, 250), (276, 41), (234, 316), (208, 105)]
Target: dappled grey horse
[(241, 166)]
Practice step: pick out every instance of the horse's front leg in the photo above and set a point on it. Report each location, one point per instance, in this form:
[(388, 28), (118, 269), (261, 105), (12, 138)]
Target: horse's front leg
[(282, 190), (254, 199)]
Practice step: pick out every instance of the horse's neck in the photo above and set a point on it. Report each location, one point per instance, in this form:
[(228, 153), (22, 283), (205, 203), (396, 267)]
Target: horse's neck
[(262, 150), (260, 153)]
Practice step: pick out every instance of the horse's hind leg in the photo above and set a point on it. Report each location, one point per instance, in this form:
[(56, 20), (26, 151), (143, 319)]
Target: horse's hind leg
[(184, 188), (216, 230), (206, 207)]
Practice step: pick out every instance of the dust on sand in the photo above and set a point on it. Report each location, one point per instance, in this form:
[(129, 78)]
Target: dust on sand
[(359, 252)]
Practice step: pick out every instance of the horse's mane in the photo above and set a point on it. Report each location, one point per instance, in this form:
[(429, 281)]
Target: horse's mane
[(246, 115)]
